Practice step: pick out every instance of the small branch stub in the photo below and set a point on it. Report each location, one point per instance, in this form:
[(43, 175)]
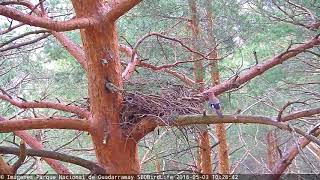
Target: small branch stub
[(104, 62), (110, 87), (105, 132)]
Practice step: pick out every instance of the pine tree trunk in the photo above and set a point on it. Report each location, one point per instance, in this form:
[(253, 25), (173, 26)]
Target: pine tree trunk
[(272, 154), (114, 152), (204, 159), (223, 155)]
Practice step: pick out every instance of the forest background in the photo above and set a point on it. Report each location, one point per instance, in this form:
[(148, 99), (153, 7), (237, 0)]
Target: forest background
[(260, 58)]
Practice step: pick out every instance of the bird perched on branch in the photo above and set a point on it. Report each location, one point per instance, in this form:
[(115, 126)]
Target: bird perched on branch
[(214, 104)]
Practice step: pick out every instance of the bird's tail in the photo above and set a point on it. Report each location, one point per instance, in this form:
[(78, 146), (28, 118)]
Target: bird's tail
[(219, 113)]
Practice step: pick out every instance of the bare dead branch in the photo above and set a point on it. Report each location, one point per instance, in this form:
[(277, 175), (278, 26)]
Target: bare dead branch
[(11, 28), (22, 36), (284, 108), (25, 43), (76, 51), (312, 16), (135, 48), (126, 74)]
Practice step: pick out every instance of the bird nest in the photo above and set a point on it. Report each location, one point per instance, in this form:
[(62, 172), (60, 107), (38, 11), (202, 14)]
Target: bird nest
[(167, 104)]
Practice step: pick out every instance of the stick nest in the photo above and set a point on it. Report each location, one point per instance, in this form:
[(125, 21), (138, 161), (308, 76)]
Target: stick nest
[(167, 104)]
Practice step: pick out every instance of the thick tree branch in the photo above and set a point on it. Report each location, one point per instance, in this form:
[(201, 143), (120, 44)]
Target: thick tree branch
[(120, 8), (93, 167), (43, 104), (41, 123), (300, 114), (263, 67), (50, 24), (35, 144), (149, 123)]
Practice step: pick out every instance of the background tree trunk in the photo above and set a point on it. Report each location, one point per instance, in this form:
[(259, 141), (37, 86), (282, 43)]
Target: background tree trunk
[(272, 153), (224, 167), (204, 161)]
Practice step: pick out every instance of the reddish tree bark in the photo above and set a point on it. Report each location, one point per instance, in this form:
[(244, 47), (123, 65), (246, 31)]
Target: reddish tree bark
[(224, 167), (48, 123), (204, 159), (47, 23), (272, 153), (44, 104), (114, 152)]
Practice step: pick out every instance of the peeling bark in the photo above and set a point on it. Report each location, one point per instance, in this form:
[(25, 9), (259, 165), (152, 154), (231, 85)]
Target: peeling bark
[(114, 152), (272, 153)]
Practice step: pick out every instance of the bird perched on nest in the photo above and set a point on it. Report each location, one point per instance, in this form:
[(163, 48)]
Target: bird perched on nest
[(214, 104)]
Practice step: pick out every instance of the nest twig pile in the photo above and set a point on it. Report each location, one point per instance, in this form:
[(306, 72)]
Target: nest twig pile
[(168, 104)]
